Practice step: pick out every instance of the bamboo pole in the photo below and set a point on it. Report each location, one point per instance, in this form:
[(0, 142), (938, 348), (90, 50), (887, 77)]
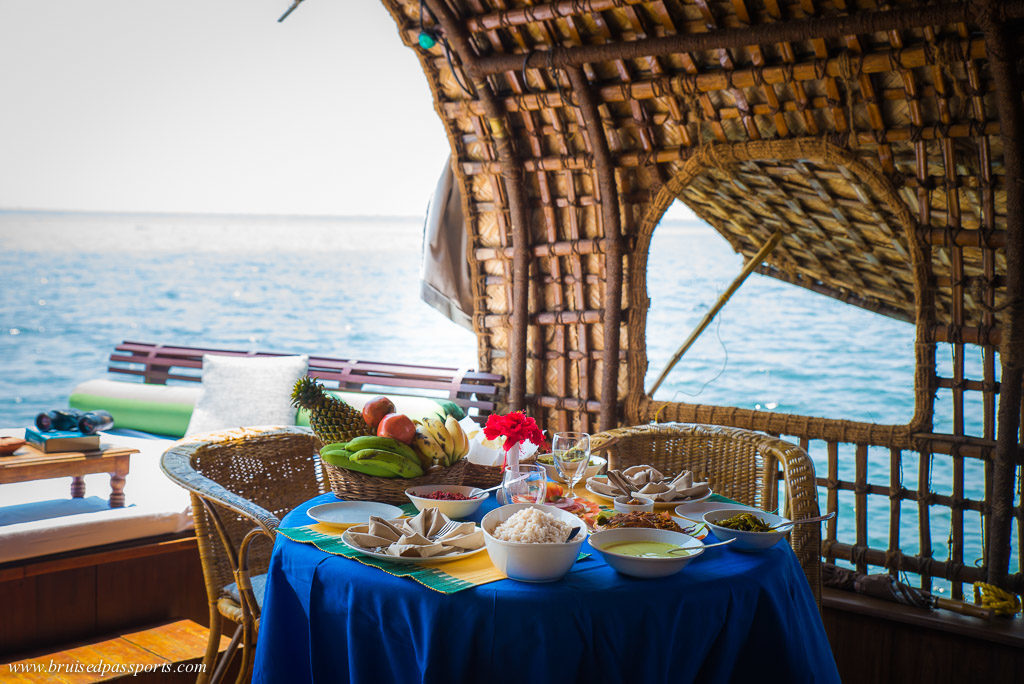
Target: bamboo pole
[(611, 225), (1002, 61), (748, 268)]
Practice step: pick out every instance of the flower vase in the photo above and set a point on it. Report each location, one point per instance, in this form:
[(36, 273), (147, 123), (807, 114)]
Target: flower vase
[(511, 465), (512, 458)]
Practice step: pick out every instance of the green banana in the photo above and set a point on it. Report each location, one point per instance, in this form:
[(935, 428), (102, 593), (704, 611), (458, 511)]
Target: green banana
[(384, 444), (343, 459), (333, 447), (389, 460)]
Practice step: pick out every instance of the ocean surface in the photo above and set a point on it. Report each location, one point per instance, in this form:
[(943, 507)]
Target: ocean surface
[(72, 285)]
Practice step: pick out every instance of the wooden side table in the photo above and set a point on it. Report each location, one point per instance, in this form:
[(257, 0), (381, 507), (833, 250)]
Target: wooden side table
[(28, 463)]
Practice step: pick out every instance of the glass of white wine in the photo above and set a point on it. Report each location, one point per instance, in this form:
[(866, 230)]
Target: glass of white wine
[(571, 453)]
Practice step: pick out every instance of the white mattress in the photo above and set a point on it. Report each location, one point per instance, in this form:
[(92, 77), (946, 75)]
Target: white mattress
[(40, 518)]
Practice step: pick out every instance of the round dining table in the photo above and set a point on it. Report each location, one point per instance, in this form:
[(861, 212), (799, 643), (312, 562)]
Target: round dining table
[(728, 616)]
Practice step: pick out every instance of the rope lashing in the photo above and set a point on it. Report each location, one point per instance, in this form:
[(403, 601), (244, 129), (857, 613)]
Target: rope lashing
[(1002, 602)]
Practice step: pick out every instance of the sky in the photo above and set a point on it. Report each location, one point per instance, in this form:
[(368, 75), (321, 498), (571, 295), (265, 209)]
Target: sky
[(213, 107), (146, 105)]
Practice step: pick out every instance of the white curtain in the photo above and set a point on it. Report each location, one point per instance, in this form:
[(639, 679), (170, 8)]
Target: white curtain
[(444, 276)]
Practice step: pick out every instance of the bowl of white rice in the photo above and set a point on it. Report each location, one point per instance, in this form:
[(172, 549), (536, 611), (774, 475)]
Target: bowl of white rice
[(527, 541)]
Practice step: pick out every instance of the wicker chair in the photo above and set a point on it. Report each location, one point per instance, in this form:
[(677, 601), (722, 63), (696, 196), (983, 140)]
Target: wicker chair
[(739, 464), (242, 482)]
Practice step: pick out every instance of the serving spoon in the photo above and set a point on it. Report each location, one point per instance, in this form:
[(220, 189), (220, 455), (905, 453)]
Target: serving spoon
[(503, 484), (706, 546), (819, 518)]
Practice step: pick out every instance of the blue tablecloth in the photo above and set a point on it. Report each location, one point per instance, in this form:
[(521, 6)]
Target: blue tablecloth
[(727, 617)]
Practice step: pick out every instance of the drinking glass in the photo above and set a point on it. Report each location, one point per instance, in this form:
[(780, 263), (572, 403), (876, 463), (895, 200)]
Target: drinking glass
[(527, 485), (571, 452)]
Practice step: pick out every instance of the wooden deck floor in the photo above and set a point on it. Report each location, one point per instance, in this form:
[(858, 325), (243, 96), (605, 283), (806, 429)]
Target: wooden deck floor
[(172, 652)]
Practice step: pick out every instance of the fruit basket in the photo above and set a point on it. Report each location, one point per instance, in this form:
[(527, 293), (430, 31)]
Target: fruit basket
[(376, 454), (354, 486)]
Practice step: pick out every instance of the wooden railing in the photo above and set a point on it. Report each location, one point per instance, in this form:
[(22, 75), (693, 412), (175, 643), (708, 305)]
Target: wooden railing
[(469, 389), (840, 451)]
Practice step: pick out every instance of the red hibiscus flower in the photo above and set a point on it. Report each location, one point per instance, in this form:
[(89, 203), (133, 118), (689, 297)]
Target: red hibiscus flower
[(515, 428)]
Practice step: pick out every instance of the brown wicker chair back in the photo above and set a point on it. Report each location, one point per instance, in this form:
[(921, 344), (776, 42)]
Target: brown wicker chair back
[(242, 482), (740, 464)]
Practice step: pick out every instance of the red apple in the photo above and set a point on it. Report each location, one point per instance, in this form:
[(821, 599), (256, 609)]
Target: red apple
[(397, 426), (377, 408)]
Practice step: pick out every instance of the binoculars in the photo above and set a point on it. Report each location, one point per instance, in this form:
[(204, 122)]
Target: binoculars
[(86, 422)]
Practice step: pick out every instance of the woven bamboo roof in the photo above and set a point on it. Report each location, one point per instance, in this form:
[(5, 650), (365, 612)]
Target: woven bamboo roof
[(868, 137), (882, 141)]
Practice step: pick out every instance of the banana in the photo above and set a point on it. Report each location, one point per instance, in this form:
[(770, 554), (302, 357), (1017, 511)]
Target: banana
[(430, 451), (440, 433), (459, 435), (388, 460), (369, 469), (384, 444), (343, 459)]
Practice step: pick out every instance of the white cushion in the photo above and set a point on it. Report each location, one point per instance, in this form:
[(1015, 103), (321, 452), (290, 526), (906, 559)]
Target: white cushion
[(39, 517), (245, 391)]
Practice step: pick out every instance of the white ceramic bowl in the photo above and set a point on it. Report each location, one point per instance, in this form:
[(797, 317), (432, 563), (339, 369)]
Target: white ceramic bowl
[(452, 509), (645, 567), (532, 562), (746, 541), (597, 464), (621, 506)]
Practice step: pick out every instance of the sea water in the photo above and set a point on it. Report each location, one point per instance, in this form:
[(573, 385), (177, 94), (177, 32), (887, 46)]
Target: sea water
[(73, 285)]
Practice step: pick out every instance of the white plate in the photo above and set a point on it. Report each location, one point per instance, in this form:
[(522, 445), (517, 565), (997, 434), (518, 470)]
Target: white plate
[(596, 465), (696, 509), (345, 513), (699, 530), (658, 505), (432, 560)]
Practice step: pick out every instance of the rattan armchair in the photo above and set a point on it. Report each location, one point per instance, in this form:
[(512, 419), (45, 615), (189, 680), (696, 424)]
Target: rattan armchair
[(739, 464), (242, 482)]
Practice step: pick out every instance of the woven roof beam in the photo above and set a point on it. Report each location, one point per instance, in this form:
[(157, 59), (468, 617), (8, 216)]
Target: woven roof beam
[(521, 16), (820, 27)]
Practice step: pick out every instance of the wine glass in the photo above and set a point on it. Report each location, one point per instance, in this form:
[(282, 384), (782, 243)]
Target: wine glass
[(528, 484), (571, 452)]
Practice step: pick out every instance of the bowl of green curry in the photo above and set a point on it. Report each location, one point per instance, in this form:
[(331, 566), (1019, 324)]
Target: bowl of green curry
[(753, 530), (646, 552)]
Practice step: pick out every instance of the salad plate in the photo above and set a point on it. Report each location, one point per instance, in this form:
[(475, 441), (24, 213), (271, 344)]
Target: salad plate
[(658, 505), (348, 513), (417, 560)]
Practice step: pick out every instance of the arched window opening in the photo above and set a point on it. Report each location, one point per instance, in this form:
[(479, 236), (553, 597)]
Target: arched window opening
[(773, 346)]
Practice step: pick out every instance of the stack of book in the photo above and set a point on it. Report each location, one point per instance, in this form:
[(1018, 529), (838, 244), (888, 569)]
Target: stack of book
[(53, 441)]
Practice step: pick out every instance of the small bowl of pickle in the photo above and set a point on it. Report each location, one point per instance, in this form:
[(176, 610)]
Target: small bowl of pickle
[(633, 504), (752, 529)]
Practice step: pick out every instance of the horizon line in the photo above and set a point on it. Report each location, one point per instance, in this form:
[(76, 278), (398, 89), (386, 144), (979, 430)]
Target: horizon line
[(376, 217)]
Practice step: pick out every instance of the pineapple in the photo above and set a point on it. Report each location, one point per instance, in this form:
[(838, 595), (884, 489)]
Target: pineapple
[(332, 419)]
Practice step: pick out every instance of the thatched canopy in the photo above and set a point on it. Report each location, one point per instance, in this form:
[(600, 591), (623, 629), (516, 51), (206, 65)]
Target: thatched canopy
[(881, 141)]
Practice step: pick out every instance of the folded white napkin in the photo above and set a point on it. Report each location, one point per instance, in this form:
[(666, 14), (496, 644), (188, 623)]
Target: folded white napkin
[(651, 483), (410, 538)]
